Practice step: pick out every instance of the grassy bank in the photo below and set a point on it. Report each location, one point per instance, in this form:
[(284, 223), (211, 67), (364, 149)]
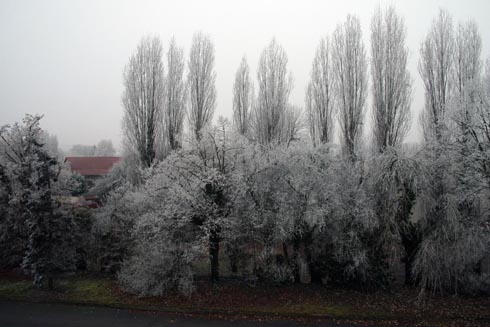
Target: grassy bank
[(305, 302)]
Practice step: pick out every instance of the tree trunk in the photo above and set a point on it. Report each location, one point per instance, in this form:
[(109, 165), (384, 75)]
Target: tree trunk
[(315, 273), (408, 271), (214, 256), (234, 264), (296, 265), (410, 241), (50, 283), (285, 250)]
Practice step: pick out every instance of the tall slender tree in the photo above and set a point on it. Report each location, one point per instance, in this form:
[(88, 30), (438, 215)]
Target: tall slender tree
[(435, 68), (467, 73), (242, 98), (143, 99), (391, 82), (175, 96), (201, 83), (467, 56), (350, 70), (319, 95), (274, 86), (391, 86), (38, 218)]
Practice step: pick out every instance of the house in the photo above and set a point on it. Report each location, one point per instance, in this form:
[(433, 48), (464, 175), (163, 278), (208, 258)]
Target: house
[(91, 168)]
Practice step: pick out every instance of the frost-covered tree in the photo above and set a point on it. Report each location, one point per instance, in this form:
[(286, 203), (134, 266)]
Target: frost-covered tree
[(394, 179), (12, 232), (391, 172), (50, 142), (391, 82), (435, 68), (452, 206), (467, 56), (35, 180), (126, 172), (156, 242), (319, 95), (466, 100), (201, 83), (243, 95), (292, 124), (272, 113), (217, 182), (105, 149), (284, 193), (474, 138), (112, 229), (350, 71), (80, 150), (453, 225), (314, 207), (186, 205), (271, 212), (142, 99), (467, 74), (175, 96), (163, 257), (486, 78), (353, 219)]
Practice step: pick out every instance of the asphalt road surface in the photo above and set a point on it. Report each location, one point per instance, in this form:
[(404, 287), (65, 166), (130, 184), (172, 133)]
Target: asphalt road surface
[(17, 314)]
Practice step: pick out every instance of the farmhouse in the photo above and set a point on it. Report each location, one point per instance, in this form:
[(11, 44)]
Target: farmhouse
[(91, 169)]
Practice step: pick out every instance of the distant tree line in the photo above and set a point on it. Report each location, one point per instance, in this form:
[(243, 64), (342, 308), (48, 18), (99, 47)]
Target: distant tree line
[(103, 149)]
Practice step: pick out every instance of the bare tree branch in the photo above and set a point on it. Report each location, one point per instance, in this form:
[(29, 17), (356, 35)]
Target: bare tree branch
[(143, 99), (435, 67), (391, 82), (275, 84), (175, 96), (350, 70), (319, 95), (201, 83), (242, 98)]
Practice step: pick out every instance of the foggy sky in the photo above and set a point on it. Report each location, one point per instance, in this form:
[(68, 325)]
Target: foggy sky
[(64, 59)]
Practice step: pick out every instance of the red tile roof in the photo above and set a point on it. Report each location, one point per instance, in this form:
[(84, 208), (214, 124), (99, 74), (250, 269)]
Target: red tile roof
[(92, 166)]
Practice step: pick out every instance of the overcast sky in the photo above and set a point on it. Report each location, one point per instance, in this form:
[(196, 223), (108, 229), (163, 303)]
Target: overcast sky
[(64, 59)]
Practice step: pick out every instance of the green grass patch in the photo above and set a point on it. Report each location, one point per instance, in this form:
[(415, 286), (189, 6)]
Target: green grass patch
[(292, 302), (96, 291), (15, 289)]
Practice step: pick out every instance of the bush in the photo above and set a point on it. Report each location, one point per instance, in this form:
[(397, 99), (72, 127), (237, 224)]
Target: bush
[(162, 258), (158, 267)]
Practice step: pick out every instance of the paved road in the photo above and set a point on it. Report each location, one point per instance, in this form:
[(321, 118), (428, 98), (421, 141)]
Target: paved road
[(13, 314)]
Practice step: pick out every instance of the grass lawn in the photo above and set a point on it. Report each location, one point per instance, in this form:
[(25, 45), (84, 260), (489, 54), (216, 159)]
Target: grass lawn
[(302, 302)]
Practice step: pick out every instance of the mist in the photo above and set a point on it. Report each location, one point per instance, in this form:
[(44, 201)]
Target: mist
[(65, 60)]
